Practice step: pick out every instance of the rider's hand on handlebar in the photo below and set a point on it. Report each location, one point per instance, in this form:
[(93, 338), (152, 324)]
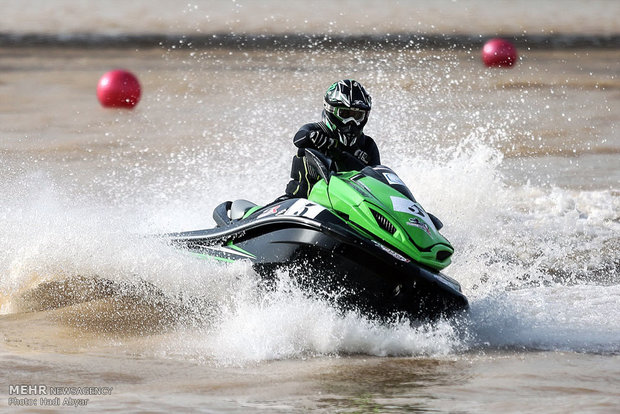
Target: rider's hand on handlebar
[(321, 141)]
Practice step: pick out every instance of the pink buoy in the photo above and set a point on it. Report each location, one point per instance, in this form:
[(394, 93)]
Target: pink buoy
[(118, 89), (499, 53)]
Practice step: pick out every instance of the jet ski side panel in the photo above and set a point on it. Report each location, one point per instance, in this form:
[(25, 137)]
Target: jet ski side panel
[(334, 261)]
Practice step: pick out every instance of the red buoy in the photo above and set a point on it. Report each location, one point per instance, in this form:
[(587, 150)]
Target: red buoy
[(499, 53), (118, 89)]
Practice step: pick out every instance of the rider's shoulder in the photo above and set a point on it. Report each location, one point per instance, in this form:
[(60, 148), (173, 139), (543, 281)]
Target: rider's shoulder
[(368, 138), (366, 141), (313, 126)]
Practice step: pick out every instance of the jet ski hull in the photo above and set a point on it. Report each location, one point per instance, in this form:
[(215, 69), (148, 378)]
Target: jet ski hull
[(328, 258)]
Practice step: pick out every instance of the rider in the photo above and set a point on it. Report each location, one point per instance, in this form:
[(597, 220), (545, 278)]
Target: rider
[(339, 136)]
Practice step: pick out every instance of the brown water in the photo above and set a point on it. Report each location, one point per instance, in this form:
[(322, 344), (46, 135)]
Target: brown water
[(522, 166)]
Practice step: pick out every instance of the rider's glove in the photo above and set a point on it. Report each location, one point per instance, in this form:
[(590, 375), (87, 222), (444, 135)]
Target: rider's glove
[(321, 141)]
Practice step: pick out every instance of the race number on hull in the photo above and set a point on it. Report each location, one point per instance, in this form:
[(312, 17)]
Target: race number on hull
[(304, 208), (404, 205), (300, 208)]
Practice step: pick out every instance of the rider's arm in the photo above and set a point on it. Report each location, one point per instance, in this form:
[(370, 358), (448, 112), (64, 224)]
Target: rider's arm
[(313, 136), (302, 137)]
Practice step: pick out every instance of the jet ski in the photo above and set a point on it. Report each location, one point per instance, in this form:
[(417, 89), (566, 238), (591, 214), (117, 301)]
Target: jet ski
[(360, 238)]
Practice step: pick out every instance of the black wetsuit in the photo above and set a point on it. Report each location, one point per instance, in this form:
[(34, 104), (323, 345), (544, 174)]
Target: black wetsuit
[(364, 152)]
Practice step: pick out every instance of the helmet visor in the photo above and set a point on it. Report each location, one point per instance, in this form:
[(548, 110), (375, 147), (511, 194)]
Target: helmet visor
[(346, 115)]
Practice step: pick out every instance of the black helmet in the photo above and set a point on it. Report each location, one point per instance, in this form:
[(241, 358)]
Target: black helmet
[(346, 109)]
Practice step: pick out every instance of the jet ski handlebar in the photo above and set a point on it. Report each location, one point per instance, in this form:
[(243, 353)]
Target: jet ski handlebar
[(325, 166)]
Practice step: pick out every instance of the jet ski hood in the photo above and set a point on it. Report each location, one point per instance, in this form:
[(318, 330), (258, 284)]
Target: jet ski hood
[(376, 201)]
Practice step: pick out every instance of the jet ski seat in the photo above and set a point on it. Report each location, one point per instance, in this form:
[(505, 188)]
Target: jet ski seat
[(229, 211), (239, 208)]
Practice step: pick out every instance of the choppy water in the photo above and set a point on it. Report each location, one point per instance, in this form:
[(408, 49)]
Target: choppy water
[(521, 165)]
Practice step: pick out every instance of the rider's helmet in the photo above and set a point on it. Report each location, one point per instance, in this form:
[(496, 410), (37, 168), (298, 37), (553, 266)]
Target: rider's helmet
[(346, 109)]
